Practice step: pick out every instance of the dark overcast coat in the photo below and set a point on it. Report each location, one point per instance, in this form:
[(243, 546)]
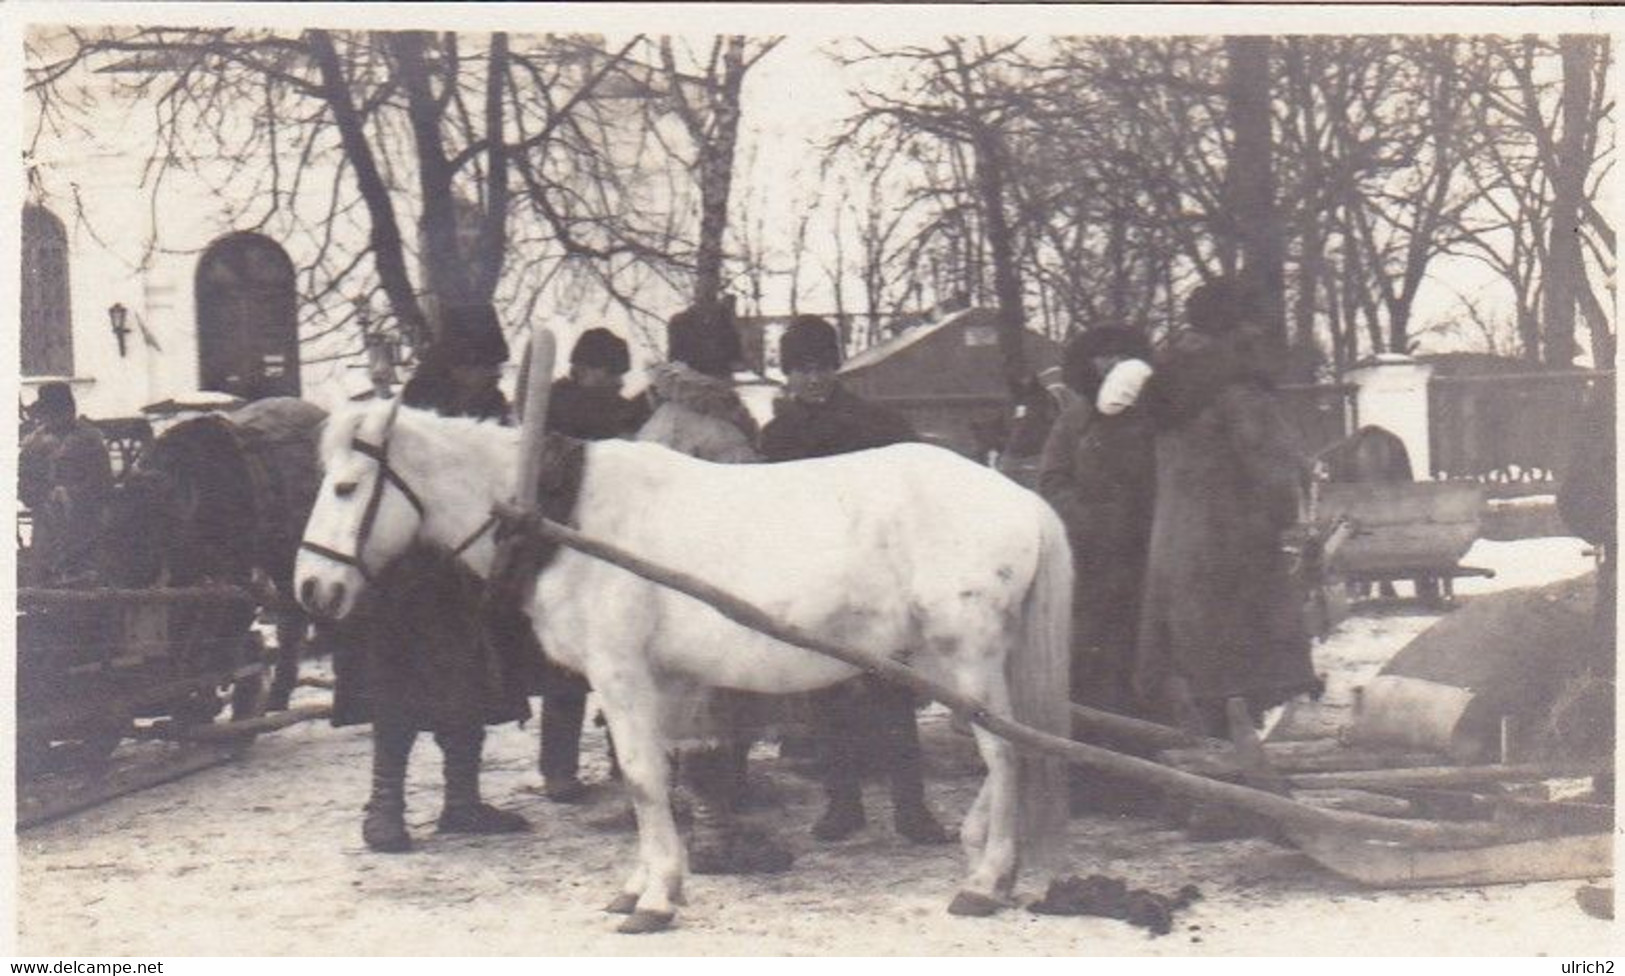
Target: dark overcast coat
[(1220, 609)]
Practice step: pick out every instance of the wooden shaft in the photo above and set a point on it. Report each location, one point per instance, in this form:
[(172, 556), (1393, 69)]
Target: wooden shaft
[(1152, 735), (29, 597), (228, 731), (1276, 808), (533, 423)]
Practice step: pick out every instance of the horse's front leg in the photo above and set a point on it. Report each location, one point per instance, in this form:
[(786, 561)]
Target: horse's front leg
[(633, 706)]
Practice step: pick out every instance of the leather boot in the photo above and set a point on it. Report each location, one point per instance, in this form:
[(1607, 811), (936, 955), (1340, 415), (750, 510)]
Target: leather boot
[(562, 714), (834, 712), (900, 748), (464, 812), (384, 826)]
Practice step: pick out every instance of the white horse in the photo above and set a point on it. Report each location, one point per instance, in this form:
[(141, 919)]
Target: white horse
[(907, 551)]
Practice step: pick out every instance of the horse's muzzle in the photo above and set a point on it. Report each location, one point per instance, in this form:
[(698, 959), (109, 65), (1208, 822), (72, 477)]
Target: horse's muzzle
[(324, 601)]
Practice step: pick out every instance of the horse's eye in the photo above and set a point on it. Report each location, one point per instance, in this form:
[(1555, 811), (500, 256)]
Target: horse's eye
[(344, 489)]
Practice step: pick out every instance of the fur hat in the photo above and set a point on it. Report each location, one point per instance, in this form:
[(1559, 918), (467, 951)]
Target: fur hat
[(809, 342), (54, 399), (1078, 360), (705, 343), (1221, 305), (603, 349), (470, 335)]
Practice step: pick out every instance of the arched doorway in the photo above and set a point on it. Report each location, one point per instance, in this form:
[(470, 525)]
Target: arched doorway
[(247, 318), (47, 319)]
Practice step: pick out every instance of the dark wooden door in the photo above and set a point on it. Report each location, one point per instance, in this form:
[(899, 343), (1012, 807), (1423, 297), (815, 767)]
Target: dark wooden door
[(248, 323), (47, 329)]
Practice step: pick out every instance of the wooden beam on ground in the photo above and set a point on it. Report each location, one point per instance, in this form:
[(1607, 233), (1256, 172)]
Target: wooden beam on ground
[(1376, 779), (50, 797), (234, 731)]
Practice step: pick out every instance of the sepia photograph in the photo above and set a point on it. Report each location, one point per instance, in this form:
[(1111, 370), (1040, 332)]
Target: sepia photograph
[(811, 480)]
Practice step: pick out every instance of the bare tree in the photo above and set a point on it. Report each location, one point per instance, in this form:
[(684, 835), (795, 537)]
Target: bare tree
[(375, 131), (703, 90), (959, 93)]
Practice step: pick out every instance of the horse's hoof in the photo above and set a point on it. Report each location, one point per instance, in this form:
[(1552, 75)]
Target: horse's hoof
[(642, 922), (971, 904), (624, 904)]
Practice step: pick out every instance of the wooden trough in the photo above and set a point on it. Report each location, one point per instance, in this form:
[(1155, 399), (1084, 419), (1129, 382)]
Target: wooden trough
[(1405, 530)]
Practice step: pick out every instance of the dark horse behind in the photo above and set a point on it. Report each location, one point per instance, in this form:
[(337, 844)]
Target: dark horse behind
[(223, 498), (1374, 455)]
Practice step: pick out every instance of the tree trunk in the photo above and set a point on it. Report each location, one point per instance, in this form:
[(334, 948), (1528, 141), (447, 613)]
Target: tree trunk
[(444, 264), (991, 181), (716, 172), (1565, 268), (493, 238), (1250, 176), (388, 252)]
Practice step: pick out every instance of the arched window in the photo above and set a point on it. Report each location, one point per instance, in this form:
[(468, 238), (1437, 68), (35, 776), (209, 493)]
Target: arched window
[(247, 318), (47, 320)]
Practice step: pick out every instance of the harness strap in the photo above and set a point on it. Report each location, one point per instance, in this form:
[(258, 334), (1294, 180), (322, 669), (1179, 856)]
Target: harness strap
[(380, 454), (338, 557), (468, 543)]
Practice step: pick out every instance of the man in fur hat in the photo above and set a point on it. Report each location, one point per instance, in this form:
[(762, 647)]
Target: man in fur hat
[(1098, 473), (586, 404), (420, 660), (1221, 616), (65, 477), (698, 412), (861, 718)]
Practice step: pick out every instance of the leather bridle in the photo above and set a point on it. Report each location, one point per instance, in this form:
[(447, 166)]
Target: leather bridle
[(387, 475)]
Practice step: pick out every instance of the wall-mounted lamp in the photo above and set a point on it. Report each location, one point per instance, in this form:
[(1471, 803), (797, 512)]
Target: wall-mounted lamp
[(117, 314)]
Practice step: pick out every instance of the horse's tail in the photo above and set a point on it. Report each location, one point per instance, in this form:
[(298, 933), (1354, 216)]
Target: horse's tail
[(1039, 674)]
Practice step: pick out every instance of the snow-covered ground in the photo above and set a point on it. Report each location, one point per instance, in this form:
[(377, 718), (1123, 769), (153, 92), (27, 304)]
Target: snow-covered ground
[(264, 857)]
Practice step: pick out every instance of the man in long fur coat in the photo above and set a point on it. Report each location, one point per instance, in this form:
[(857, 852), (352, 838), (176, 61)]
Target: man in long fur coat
[(1221, 616)]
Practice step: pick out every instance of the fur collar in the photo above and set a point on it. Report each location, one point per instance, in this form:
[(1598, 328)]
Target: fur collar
[(706, 395)]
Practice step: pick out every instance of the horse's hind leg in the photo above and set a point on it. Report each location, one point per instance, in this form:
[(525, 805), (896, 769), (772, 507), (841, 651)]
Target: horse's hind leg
[(992, 817), (656, 883)]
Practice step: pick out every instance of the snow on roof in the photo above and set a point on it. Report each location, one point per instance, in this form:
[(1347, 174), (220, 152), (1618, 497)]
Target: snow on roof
[(903, 340)]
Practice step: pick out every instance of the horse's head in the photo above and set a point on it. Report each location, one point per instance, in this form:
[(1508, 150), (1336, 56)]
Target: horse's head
[(366, 514)]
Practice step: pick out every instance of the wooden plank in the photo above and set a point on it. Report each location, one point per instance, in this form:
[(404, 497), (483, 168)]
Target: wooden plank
[(49, 798), (1443, 775), (1311, 756), (1397, 503), (1391, 865)]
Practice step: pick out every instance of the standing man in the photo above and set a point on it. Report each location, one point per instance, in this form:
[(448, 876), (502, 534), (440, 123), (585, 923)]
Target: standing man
[(697, 411), (588, 405), (1098, 473), (419, 660), (1222, 617), (65, 477), (820, 418)]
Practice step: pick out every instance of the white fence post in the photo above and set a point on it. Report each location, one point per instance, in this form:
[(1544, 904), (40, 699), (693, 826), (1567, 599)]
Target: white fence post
[(1393, 394)]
